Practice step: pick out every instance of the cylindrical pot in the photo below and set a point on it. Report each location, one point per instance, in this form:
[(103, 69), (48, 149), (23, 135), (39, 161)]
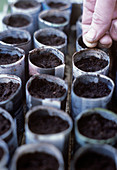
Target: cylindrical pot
[(13, 67), (59, 5), (17, 7), (99, 137), (17, 38), (36, 150), (87, 54), (29, 26), (59, 138), (9, 136), (79, 26), (81, 46), (44, 33), (80, 103), (39, 66), (4, 156), (57, 102), (14, 103), (64, 26), (103, 150)]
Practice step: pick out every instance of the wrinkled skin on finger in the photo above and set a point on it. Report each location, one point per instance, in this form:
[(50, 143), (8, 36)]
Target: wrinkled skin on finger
[(99, 22)]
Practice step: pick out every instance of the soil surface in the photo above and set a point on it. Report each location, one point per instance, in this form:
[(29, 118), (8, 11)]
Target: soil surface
[(37, 161), (56, 5), (5, 124), (96, 127), (45, 59), (95, 161), (51, 40), (41, 88), (13, 40), (81, 43), (92, 90), (7, 90), (54, 19), (1, 153), (91, 64), (46, 124), (17, 21), (6, 58), (25, 4)]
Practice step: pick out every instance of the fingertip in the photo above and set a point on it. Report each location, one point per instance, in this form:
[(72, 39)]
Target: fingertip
[(105, 41), (89, 44)]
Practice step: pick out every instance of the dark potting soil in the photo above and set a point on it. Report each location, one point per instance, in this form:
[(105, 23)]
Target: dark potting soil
[(54, 19), (45, 59), (81, 43), (17, 21), (46, 124), (13, 40), (95, 161), (92, 90), (41, 88), (5, 124), (51, 40), (6, 58), (91, 64), (1, 153), (7, 90), (96, 127), (56, 5), (25, 4), (37, 161)]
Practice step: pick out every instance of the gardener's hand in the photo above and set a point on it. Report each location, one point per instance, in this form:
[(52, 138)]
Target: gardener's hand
[(99, 22)]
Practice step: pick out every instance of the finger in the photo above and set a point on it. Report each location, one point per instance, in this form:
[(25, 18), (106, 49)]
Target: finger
[(88, 44), (105, 41), (113, 30), (88, 9), (101, 21)]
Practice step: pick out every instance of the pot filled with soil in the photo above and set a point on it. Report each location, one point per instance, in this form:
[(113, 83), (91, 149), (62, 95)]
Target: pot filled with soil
[(96, 126), (46, 60), (95, 157), (54, 19), (11, 98), (90, 91), (4, 154), (17, 38), (53, 37), (31, 7), (12, 61), (8, 130), (48, 125), (59, 5), (90, 61), (46, 90), (37, 156), (81, 46), (18, 21)]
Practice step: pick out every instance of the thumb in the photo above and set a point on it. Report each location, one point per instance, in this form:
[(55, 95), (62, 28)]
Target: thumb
[(101, 20), (113, 30)]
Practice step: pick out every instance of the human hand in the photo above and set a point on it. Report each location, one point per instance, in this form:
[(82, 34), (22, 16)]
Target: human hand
[(99, 22)]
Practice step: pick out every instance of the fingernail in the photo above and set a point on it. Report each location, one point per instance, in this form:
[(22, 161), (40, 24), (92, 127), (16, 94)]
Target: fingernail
[(91, 35)]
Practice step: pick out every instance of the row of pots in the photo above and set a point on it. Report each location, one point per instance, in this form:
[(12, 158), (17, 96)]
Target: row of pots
[(60, 140), (90, 144), (82, 103), (35, 18)]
